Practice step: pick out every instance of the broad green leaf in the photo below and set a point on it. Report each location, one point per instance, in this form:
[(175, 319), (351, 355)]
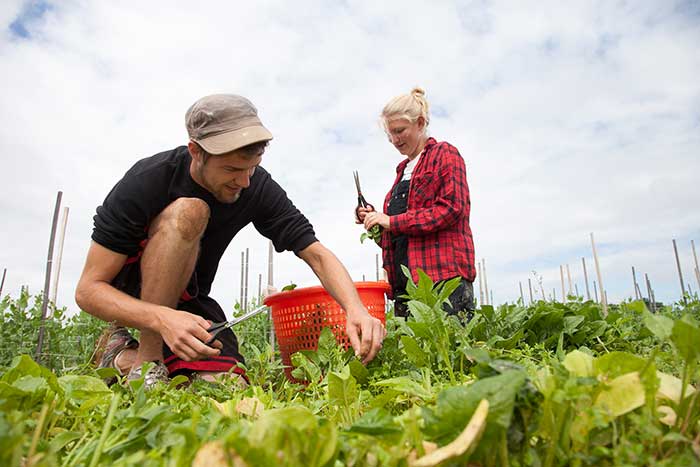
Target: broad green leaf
[(615, 364), (342, 389), (621, 395), (376, 422), (81, 388), (579, 363), (414, 353), (407, 386), (661, 326), (571, 323), (686, 337), (358, 371), (456, 405)]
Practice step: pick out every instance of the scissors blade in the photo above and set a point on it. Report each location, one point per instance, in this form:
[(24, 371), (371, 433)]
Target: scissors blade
[(244, 317), (357, 181)]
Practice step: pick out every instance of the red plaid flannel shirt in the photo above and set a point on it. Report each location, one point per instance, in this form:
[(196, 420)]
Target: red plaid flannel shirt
[(437, 218)]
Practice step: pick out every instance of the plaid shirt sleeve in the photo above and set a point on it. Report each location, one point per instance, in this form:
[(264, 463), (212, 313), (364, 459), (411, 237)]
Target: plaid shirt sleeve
[(439, 197)]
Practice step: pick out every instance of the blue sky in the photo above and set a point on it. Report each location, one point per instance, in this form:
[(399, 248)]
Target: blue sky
[(572, 117)]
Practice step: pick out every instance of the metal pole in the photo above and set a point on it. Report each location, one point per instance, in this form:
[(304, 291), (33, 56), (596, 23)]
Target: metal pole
[(522, 297), (481, 288), (2, 284), (376, 265), (600, 278), (585, 276), (646, 279), (240, 302), (554, 294), (680, 274), (246, 280), (486, 282), (491, 300), (576, 288), (57, 266), (269, 287), (595, 292), (259, 286), (568, 275), (47, 281), (563, 293), (529, 285), (697, 268)]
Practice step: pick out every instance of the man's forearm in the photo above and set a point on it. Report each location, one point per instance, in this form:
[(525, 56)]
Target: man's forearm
[(333, 276), (105, 302)]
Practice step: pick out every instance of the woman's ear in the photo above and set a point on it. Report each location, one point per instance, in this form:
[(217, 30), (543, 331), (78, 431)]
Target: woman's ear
[(421, 123)]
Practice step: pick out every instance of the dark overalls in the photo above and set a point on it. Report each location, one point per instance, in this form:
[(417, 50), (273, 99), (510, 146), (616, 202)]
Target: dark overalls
[(463, 296)]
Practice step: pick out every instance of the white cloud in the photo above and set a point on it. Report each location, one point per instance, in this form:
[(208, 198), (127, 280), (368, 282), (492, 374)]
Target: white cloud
[(572, 118)]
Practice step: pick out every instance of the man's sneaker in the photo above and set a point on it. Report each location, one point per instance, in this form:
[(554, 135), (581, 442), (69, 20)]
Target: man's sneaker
[(156, 372), (111, 343)]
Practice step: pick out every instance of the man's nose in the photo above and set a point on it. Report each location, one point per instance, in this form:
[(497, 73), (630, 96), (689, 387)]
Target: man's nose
[(243, 179)]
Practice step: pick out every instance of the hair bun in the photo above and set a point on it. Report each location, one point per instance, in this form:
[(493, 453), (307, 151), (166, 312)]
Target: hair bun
[(418, 92)]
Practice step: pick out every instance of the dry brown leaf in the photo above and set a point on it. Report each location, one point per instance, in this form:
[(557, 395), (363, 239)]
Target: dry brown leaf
[(213, 454), (463, 443), (250, 406)]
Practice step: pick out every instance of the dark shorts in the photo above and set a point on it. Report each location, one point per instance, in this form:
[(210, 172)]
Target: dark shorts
[(461, 302), (129, 281)]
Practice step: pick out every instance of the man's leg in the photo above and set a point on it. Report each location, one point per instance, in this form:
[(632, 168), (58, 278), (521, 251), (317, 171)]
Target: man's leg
[(167, 264)]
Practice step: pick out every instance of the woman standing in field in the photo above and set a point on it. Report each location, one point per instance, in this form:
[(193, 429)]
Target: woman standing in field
[(425, 219)]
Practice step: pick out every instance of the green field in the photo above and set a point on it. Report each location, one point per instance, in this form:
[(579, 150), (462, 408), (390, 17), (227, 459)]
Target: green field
[(564, 385)]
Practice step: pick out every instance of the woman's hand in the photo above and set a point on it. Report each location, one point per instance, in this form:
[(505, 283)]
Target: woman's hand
[(361, 213), (376, 218)]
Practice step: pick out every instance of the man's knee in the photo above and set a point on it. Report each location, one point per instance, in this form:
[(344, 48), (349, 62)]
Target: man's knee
[(186, 216)]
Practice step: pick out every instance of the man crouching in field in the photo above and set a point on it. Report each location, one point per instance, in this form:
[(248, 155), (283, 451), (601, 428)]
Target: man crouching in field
[(160, 233)]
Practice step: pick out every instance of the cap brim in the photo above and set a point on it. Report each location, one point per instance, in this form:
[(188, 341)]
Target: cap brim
[(232, 140)]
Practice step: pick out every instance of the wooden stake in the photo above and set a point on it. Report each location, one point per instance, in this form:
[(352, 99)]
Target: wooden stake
[(646, 279), (568, 275), (259, 286), (522, 298), (491, 300), (47, 280), (554, 294), (481, 287), (376, 265), (600, 278), (59, 254), (680, 274), (585, 276), (576, 289), (2, 283), (486, 282), (529, 285), (634, 284), (563, 293)]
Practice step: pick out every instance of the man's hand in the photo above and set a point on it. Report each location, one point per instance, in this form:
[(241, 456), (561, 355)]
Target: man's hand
[(186, 334), (366, 334)]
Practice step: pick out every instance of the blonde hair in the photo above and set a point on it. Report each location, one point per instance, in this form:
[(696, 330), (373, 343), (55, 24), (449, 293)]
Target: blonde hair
[(410, 106)]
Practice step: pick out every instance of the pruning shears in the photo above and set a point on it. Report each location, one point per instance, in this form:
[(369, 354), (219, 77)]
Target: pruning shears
[(361, 201), (216, 328)]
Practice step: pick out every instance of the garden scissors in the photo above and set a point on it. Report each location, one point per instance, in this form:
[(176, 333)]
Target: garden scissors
[(361, 201), (216, 328)]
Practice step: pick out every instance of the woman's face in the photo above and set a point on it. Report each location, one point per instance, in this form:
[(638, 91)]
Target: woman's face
[(408, 138)]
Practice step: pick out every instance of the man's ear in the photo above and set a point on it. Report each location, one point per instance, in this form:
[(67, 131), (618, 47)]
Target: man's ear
[(195, 151)]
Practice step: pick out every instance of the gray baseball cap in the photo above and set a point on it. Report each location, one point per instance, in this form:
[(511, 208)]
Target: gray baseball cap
[(222, 123)]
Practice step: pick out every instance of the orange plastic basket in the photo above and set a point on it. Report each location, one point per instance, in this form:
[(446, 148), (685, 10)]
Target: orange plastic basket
[(300, 315)]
